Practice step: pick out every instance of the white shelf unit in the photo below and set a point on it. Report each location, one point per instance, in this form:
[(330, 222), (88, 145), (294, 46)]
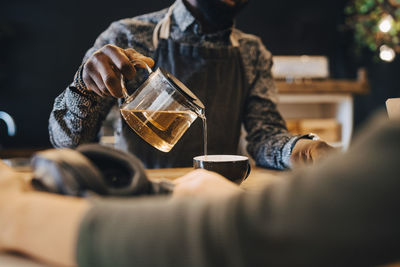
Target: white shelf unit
[(317, 106)]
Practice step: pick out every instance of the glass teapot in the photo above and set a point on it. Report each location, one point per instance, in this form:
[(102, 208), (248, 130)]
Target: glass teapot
[(161, 109)]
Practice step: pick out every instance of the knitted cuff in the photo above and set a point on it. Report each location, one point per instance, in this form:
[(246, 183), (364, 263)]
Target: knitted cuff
[(79, 83)]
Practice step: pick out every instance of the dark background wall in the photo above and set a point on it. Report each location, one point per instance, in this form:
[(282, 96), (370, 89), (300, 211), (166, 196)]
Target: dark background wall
[(42, 44)]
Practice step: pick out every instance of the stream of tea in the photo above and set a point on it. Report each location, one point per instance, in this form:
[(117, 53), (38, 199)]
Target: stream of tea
[(204, 119)]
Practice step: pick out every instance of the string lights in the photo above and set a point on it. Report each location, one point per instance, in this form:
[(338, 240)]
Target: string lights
[(376, 25)]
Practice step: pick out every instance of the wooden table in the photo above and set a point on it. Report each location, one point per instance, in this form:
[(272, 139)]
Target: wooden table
[(257, 177)]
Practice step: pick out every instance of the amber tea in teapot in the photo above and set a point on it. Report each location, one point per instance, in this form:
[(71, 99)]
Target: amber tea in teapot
[(161, 109), (162, 129)]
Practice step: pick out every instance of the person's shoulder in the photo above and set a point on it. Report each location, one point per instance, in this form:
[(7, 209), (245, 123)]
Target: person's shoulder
[(137, 24), (251, 43), (153, 17), (247, 38), (145, 20), (135, 31)]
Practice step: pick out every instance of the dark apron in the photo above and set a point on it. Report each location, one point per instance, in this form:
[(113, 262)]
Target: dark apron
[(216, 77)]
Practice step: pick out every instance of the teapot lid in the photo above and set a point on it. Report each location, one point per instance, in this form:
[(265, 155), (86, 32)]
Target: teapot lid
[(182, 88)]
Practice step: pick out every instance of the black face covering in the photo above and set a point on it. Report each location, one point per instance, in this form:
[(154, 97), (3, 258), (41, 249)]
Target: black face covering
[(219, 13)]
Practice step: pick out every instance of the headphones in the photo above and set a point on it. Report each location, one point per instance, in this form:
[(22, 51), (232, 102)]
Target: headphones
[(93, 168)]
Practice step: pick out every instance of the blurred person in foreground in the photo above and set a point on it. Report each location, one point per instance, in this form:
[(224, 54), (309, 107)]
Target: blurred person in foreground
[(342, 212), (197, 41)]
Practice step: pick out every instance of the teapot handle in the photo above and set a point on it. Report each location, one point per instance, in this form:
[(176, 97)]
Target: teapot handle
[(134, 63)]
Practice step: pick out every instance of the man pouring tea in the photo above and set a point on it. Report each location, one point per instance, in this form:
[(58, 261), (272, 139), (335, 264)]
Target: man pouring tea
[(197, 42)]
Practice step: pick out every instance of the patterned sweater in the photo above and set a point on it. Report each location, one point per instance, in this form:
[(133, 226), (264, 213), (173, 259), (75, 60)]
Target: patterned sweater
[(77, 118)]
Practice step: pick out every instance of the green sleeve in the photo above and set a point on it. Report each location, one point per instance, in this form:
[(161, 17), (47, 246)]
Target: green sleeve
[(158, 232), (343, 213)]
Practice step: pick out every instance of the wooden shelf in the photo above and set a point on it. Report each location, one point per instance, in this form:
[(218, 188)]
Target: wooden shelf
[(323, 87), (321, 106)]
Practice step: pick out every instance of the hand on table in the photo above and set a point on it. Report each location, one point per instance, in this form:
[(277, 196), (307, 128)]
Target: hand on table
[(310, 151), (204, 183), (102, 71)]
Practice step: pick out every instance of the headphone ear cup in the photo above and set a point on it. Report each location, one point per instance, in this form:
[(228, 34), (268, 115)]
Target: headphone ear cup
[(67, 172), (123, 173)]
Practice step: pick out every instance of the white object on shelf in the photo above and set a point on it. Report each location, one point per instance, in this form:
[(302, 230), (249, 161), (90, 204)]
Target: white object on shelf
[(393, 108), (300, 67)]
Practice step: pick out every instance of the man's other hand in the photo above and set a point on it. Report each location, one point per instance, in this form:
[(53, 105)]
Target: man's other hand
[(102, 71), (309, 151)]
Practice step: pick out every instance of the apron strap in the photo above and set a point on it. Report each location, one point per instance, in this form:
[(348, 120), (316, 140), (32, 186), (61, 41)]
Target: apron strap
[(163, 26), (234, 39), (162, 29)]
